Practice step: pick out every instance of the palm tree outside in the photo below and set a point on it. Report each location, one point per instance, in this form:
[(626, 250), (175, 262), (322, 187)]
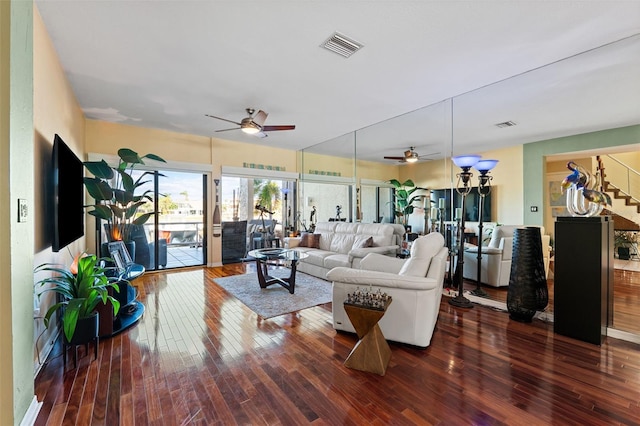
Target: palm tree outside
[(267, 194)]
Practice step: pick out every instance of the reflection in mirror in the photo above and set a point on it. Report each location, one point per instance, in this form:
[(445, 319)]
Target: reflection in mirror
[(376, 201), (327, 182), (424, 134), (544, 117), (586, 102)]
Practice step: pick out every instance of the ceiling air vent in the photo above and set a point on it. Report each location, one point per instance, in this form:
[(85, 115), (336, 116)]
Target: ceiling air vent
[(506, 124), (343, 46)]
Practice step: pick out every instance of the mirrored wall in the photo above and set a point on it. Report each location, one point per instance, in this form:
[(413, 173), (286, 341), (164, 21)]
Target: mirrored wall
[(575, 107)]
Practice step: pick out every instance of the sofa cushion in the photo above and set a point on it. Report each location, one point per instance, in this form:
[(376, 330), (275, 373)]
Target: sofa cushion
[(422, 250), (316, 257), (309, 240), (342, 243), (383, 235), (336, 260)]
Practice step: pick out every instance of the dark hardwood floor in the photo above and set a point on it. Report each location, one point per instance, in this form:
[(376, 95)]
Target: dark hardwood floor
[(626, 298), (199, 356)]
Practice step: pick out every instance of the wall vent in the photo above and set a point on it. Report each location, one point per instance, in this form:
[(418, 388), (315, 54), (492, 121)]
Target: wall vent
[(342, 45), (506, 124)]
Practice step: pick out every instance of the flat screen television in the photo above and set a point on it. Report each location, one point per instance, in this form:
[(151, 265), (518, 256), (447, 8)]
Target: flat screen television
[(68, 193), (471, 204)]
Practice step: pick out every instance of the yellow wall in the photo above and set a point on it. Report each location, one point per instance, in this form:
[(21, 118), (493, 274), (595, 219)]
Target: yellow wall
[(507, 199), (376, 171), (630, 159), (327, 163), (55, 110), (232, 153), (106, 138), (431, 174)]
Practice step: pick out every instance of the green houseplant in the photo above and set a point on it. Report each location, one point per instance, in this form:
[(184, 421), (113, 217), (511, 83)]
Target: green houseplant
[(115, 192), (81, 288), (404, 199), (623, 241)]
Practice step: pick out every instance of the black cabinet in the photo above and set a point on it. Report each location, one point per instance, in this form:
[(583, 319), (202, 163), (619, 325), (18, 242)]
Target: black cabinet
[(583, 277), (234, 241)]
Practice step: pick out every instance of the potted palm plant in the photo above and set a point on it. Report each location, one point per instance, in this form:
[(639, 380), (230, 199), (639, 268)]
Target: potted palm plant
[(404, 199), (81, 288), (116, 193)]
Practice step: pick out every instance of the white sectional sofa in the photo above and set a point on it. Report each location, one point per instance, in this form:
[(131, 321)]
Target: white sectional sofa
[(341, 244), (415, 285)]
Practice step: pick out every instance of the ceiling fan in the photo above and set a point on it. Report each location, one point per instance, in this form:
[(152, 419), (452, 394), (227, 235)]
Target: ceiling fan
[(411, 156), (254, 124)]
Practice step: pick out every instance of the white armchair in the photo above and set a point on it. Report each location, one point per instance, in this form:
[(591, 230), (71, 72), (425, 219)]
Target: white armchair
[(415, 284), (495, 266)]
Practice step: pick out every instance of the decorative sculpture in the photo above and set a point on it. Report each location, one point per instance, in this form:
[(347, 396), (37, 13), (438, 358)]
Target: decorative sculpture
[(583, 199)]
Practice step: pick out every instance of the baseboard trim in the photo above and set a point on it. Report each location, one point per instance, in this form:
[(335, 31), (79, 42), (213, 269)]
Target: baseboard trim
[(32, 412), (46, 350), (623, 335)]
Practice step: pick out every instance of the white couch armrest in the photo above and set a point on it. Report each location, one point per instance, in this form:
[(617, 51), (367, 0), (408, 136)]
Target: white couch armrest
[(291, 242), (380, 279), (381, 263)]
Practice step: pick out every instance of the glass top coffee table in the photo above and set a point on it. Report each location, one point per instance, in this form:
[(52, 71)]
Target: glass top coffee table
[(275, 256)]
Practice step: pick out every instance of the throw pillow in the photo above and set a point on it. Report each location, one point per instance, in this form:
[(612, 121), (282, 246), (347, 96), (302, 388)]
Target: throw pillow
[(304, 240), (310, 240), (362, 241), (314, 241)]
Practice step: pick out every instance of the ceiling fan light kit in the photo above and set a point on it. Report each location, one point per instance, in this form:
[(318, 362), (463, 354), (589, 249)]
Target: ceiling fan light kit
[(249, 127), (254, 124), (410, 156)]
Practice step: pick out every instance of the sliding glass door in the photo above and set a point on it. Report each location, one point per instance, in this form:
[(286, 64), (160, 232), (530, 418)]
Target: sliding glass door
[(176, 236), (240, 198)]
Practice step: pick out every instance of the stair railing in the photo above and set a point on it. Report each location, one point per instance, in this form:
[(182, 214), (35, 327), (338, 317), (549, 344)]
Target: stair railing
[(623, 177)]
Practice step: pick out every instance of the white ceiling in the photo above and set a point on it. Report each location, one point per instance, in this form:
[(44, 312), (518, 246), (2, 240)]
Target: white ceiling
[(165, 64)]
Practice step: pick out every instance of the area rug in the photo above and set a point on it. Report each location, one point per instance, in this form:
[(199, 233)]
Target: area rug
[(276, 300)]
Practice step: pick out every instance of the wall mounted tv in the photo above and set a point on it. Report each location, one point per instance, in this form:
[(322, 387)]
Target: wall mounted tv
[(471, 204), (68, 193)]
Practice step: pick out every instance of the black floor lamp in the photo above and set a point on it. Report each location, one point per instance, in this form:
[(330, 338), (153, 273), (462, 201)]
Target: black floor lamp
[(465, 162), (484, 188)]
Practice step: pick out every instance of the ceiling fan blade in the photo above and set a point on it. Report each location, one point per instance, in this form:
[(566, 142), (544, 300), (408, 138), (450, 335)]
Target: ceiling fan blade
[(280, 127), (261, 135), (226, 130), (223, 119), (260, 118), (428, 155), (394, 158)]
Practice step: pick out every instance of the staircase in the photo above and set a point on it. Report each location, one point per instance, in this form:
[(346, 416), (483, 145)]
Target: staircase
[(622, 183)]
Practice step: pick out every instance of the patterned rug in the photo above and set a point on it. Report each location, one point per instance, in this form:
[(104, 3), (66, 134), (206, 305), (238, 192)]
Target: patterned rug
[(275, 300)]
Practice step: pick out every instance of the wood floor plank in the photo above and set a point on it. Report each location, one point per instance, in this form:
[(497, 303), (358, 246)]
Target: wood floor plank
[(199, 356)]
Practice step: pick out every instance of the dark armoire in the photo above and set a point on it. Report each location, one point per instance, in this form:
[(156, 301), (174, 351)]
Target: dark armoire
[(583, 277)]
